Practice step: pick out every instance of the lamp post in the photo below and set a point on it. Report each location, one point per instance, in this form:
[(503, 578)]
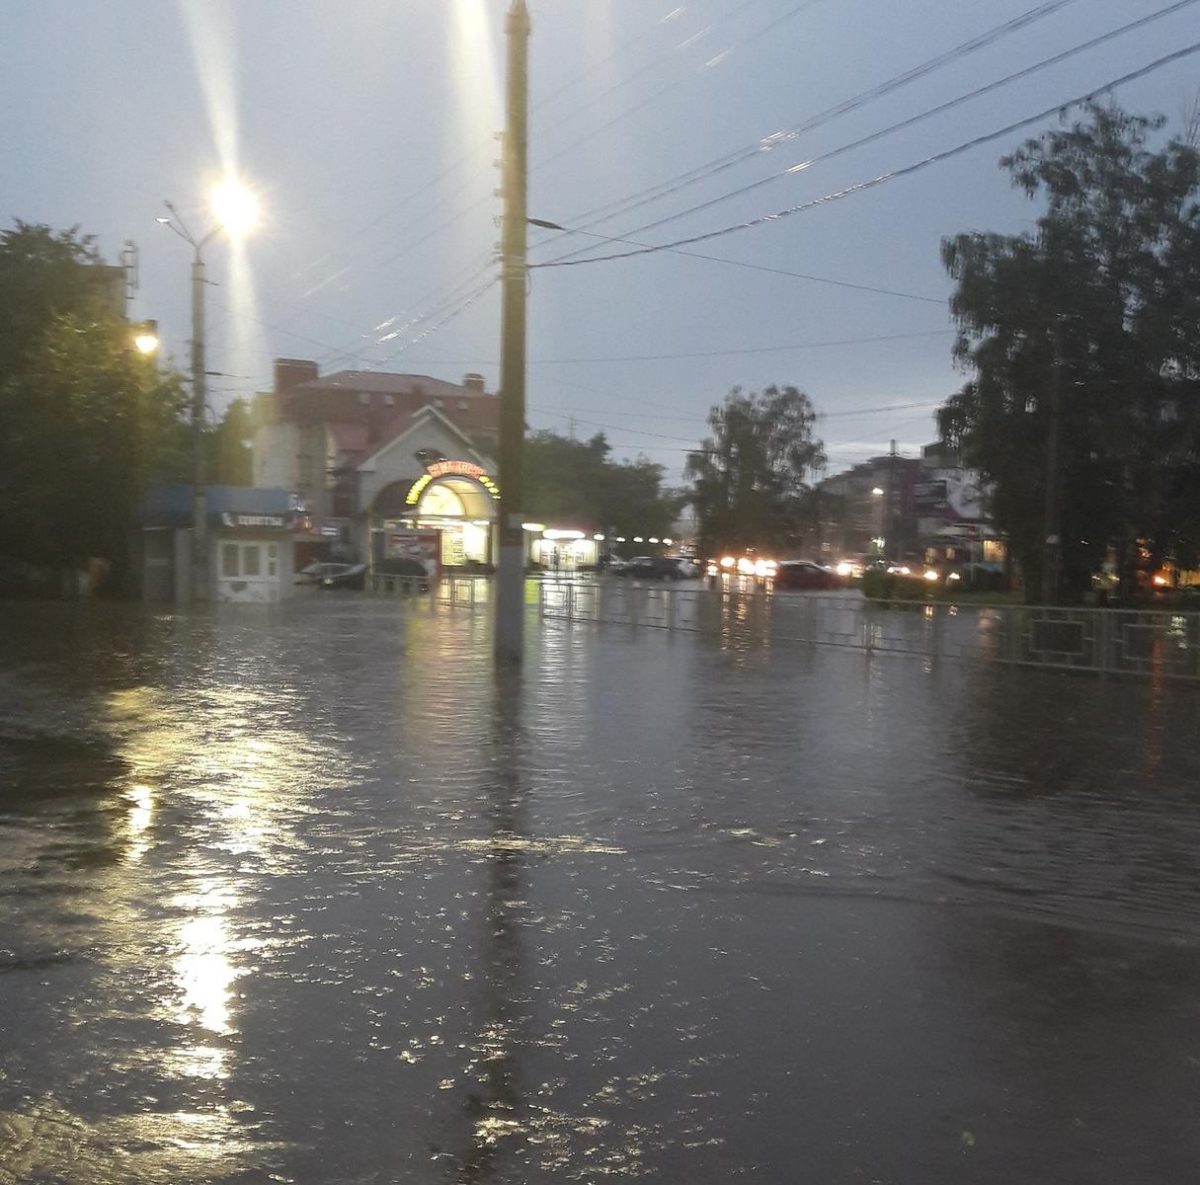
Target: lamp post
[(236, 210)]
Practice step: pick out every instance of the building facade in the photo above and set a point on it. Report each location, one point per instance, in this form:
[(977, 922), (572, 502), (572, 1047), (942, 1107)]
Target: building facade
[(382, 464)]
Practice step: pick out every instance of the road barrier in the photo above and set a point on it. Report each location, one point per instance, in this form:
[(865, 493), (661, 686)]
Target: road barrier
[(1104, 641)]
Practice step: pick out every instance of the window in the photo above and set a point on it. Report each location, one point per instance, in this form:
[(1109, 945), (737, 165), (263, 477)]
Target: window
[(229, 560), (439, 404), (251, 560), (272, 558), (364, 398), (462, 405), (389, 401)]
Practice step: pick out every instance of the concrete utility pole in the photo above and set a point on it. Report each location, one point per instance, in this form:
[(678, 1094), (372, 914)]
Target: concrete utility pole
[(199, 502), (177, 225), (510, 576)]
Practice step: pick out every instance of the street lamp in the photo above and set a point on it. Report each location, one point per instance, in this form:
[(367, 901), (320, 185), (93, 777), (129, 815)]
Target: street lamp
[(145, 338), (236, 210)]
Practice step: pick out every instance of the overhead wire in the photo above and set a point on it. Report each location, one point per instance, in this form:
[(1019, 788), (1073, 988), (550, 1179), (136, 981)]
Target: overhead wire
[(920, 117), (892, 175), (464, 211), (721, 164)]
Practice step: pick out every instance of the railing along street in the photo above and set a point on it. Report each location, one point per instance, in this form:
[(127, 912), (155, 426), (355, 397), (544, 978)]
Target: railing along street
[(1109, 641)]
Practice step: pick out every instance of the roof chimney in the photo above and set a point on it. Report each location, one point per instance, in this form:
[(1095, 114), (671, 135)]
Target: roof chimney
[(473, 383), (290, 372)]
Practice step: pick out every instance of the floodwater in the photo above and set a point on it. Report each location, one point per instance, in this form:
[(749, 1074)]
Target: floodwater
[(307, 894)]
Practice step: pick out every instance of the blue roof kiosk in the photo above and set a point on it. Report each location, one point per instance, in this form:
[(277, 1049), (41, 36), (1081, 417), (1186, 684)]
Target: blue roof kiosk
[(249, 543)]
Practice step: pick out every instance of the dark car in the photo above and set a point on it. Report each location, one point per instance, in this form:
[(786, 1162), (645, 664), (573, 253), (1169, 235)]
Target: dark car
[(654, 567), (328, 575), (804, 574)]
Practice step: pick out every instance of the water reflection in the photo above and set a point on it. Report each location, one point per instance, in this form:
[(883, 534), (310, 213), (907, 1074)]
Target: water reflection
[(311, 897), (496, 1110)]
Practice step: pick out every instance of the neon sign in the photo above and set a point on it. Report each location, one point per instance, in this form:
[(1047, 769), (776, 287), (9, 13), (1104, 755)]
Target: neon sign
[(455, 469), (441, 469)]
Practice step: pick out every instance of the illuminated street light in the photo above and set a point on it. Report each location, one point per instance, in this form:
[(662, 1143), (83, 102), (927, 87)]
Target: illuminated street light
[(236, 207), (236, 210), (145, 338)]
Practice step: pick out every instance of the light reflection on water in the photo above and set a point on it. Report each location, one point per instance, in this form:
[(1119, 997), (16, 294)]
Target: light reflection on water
[(318, 898)]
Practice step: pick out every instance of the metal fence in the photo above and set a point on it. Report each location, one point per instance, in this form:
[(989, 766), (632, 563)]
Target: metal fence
[(453, 592), (1108, 641)]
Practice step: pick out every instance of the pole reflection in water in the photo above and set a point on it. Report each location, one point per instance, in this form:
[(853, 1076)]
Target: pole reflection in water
[(496, 1112)]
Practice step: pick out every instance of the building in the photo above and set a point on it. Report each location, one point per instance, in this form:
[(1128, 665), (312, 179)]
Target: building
[(922, 509), (384, 465), (248, 534)]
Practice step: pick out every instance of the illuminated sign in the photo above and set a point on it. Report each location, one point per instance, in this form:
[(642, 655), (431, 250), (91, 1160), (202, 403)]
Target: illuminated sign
[(440, 469), (455, 469)]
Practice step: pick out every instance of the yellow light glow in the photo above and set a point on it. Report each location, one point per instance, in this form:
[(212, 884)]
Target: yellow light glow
[(146, 343), (931, 574), (235, 206), (727, 561)]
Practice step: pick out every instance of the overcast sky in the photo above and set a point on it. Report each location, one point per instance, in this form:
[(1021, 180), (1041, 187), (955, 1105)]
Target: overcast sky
[(367, 127)]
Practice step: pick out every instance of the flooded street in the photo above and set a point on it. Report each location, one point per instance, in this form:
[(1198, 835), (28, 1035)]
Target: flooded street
[(306, 894)]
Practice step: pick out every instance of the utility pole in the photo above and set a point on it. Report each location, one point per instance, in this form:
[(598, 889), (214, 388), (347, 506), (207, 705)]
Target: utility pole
[(199, 504), (510, 576), (1052, 547)]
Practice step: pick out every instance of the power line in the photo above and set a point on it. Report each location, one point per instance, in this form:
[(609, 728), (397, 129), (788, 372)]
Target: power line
[(918, 118), (858, 187), (890, 337), (701, 172), (574, 144), (759, 267)]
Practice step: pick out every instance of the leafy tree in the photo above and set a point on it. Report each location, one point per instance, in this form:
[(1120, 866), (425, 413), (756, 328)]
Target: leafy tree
[(1083, 339), (751, 476), (85, 421), (228, 453), (44, 274), (575, 482)]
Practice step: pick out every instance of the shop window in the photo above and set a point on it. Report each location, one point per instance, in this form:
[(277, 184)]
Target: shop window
[(252, 560), (229, 560), (272, 559)]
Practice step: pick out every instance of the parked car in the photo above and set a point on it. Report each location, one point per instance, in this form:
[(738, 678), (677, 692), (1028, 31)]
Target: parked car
[(656, 567), (329, 575), (804, 574)]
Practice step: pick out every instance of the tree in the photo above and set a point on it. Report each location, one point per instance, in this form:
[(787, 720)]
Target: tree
[(574, 482), (1083, 411), (751, 477), (44, 274), (228, 451), (86, 422)]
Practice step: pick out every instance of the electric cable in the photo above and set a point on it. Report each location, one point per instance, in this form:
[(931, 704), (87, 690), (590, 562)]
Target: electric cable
[(720, 164), (882, 179), (821, 157)]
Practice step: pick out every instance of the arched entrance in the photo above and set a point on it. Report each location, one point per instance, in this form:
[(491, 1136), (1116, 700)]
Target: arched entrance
[(447, 514)]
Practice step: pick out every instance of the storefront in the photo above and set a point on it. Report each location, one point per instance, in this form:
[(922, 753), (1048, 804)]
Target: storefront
[(447, 516), (562, 550), (248, 543), (251, 557)]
